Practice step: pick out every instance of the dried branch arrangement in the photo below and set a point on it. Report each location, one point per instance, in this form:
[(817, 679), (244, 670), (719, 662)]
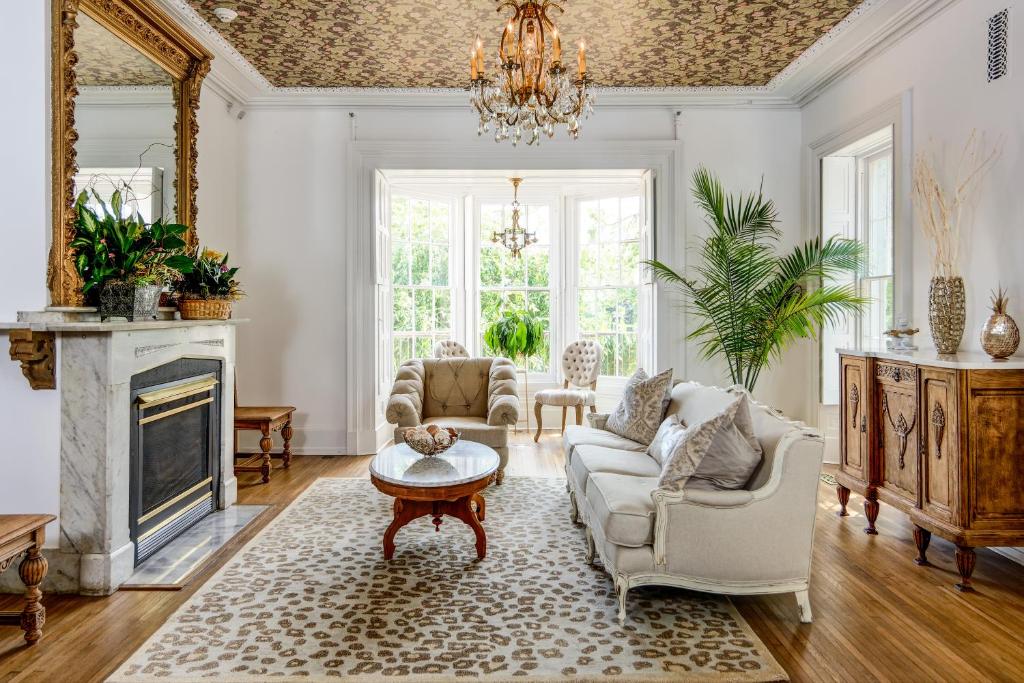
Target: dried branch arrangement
[(942, 208)]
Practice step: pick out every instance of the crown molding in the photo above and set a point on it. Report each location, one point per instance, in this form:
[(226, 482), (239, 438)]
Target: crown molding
[(869, 29)]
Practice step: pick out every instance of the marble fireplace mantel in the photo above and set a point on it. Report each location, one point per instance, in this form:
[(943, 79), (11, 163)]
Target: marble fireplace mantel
[(93, 363)]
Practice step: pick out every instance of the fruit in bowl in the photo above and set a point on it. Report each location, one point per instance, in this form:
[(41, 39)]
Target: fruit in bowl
[(430, 439)]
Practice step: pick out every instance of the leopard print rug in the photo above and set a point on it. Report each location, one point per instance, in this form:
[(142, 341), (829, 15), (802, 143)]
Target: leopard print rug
[(312, 598)]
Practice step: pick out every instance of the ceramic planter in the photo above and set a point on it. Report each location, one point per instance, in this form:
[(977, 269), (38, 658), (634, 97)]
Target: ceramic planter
[(946, 313)]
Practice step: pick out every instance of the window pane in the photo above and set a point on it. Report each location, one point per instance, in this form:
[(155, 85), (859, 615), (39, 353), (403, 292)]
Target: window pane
[(627, 354), (443, 310), (424, 316), (439, 219), (515, 301), (399, 218), (606, 308), (490, 267), (608, 264), (609, 228), (424, 347), (630, 218), (588, 316), (879, 218), (607, 342), (589, 220), (628, 300), (402, 309), (630, 255), (401, 350), (420, 220), (540, 306), (538, 221), (400, 264), (515, 269), (490, 221), (590, 272), (490, 305), (420, 264), (537, 266), (439, 266)]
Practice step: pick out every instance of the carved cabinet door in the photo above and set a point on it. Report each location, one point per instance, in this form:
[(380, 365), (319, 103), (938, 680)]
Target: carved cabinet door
[(854, 420), (939, 443), (898, 422)]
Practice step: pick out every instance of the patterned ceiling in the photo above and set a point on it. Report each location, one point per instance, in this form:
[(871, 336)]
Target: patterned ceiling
[(106, 60), (425, 43)]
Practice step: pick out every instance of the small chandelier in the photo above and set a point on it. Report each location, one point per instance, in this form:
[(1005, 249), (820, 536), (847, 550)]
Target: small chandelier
[(515, 238), (533, 92)]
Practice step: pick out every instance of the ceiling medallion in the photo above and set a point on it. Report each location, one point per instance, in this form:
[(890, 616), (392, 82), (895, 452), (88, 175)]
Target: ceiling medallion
[(533, 91), (515, 238)]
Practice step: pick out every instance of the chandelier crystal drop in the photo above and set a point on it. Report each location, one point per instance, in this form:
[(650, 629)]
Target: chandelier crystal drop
[(533, 91), (515, 238)]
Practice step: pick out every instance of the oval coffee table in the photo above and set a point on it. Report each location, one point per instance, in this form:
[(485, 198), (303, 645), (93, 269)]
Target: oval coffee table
[(446, 484)]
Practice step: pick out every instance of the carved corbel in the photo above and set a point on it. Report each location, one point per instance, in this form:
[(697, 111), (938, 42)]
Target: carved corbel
[(34, 350)]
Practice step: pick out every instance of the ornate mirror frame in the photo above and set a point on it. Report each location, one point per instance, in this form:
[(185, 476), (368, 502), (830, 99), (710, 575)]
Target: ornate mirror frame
[(155, 35)]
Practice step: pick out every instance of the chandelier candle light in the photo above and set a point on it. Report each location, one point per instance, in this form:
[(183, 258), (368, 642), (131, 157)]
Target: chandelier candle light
[(533, 92), (514, 238)]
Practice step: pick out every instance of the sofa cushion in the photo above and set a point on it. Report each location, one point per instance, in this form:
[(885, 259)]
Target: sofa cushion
[(471, 428), (642, 406), (566, 397), (621, 505), (590, 459), (733, 455), (576, 435)]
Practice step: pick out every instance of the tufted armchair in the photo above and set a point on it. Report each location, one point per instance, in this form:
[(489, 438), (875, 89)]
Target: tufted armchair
[(450, 349), (581, 363), (479, 397)]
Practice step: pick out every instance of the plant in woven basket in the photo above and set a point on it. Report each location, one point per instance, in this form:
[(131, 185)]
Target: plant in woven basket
[(1000, 336), (209, 288)]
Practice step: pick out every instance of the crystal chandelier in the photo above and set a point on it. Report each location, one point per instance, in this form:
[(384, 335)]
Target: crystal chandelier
[(515, 238), (533, 92)]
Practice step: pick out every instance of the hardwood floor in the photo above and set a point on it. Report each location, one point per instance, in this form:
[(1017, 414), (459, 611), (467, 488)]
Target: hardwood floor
[(877, 616)]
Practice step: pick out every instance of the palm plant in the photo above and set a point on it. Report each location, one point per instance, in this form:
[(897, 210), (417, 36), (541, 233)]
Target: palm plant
[(750, 302)]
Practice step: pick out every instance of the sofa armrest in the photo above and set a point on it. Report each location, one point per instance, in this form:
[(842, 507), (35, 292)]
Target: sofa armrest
[(705, 497), (502, 393), (597, 420), (405, 406)]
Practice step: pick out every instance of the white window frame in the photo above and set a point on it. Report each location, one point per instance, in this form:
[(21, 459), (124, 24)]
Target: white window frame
[(863, 231)]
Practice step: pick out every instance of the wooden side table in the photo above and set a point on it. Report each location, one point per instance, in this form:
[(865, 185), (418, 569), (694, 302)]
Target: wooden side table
[(264, 419), (25, 534)]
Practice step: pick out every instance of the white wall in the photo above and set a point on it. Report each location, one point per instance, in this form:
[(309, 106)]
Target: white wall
[(943, 64), (293, 244), (30, 458)]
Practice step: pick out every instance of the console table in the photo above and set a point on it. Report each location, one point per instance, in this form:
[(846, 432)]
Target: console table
[(24, 534), (940, 438)]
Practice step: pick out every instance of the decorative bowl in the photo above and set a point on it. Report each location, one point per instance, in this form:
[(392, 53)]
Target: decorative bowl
[(430, 440)]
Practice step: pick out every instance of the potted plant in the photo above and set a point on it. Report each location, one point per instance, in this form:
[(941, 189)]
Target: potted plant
[(517, 334), (751, 303), (123, 262), (207, 290)]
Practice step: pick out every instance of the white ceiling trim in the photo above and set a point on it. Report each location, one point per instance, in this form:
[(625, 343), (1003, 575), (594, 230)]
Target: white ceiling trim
[(870, 28)]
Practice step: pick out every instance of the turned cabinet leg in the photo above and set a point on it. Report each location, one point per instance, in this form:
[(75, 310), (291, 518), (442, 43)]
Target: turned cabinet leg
[(965, 560), (32, 571), (843, 494), (537, 413), (871, 512), (922, 537), (266, 443), (286, 434)]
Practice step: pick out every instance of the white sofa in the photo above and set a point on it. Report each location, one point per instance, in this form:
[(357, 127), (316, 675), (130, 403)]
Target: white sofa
[(739, 542)]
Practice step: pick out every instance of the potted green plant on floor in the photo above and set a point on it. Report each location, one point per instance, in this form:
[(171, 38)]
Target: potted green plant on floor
[(750, 302), (517, 335), (123, 262), (209, 288)]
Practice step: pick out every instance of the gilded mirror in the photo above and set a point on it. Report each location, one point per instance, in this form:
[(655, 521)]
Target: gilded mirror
[(126, 83)]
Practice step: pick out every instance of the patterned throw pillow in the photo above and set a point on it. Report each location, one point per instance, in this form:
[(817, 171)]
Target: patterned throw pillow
[(642, 407), (667, 439)]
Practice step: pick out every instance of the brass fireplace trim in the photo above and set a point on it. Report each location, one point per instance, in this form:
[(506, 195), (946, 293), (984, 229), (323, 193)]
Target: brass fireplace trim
[(156, 511), (158, 37), (179, 513), (151, 399), (174, 411)]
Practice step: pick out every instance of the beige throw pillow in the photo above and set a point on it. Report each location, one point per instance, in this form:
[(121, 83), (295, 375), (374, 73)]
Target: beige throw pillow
[(642, 407), (667, 439), (720, 454)]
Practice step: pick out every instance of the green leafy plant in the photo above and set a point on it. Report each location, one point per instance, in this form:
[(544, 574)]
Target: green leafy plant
[(109, 245), (210, 277), (517, 334), (750, 302)]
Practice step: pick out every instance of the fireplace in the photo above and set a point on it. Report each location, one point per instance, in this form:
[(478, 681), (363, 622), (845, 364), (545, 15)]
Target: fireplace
[(175, 451)]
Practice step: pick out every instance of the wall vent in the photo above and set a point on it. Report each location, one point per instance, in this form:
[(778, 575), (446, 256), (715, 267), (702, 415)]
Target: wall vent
[(997, 29)]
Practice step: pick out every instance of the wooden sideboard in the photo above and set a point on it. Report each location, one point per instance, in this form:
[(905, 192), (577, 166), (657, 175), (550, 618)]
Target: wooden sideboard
[(940, 438)]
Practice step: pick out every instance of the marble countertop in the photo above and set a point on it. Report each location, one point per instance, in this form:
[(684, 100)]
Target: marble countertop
[(964, 360), (87, 320), (464, 462)]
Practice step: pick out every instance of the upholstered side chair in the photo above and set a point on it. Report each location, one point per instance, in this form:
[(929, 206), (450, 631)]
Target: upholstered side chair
[(581, 363), (478, 397), (450, 349)]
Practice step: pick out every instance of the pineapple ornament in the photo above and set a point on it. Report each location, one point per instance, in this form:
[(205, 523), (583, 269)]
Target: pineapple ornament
[(1000, 336)]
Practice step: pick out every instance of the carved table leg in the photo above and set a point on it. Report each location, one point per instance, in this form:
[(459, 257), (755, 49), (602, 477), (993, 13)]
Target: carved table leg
[(481, 506), (463, 509), (400, 520), (965, 560), (32, 571), (266, 443), (286, 434), (540, 420), (922, 537), (843, 494), (871, 511)]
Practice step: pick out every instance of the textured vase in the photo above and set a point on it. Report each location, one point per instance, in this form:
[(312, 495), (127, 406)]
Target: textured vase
[(1000, 336), (946, 313), (119, 299)]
